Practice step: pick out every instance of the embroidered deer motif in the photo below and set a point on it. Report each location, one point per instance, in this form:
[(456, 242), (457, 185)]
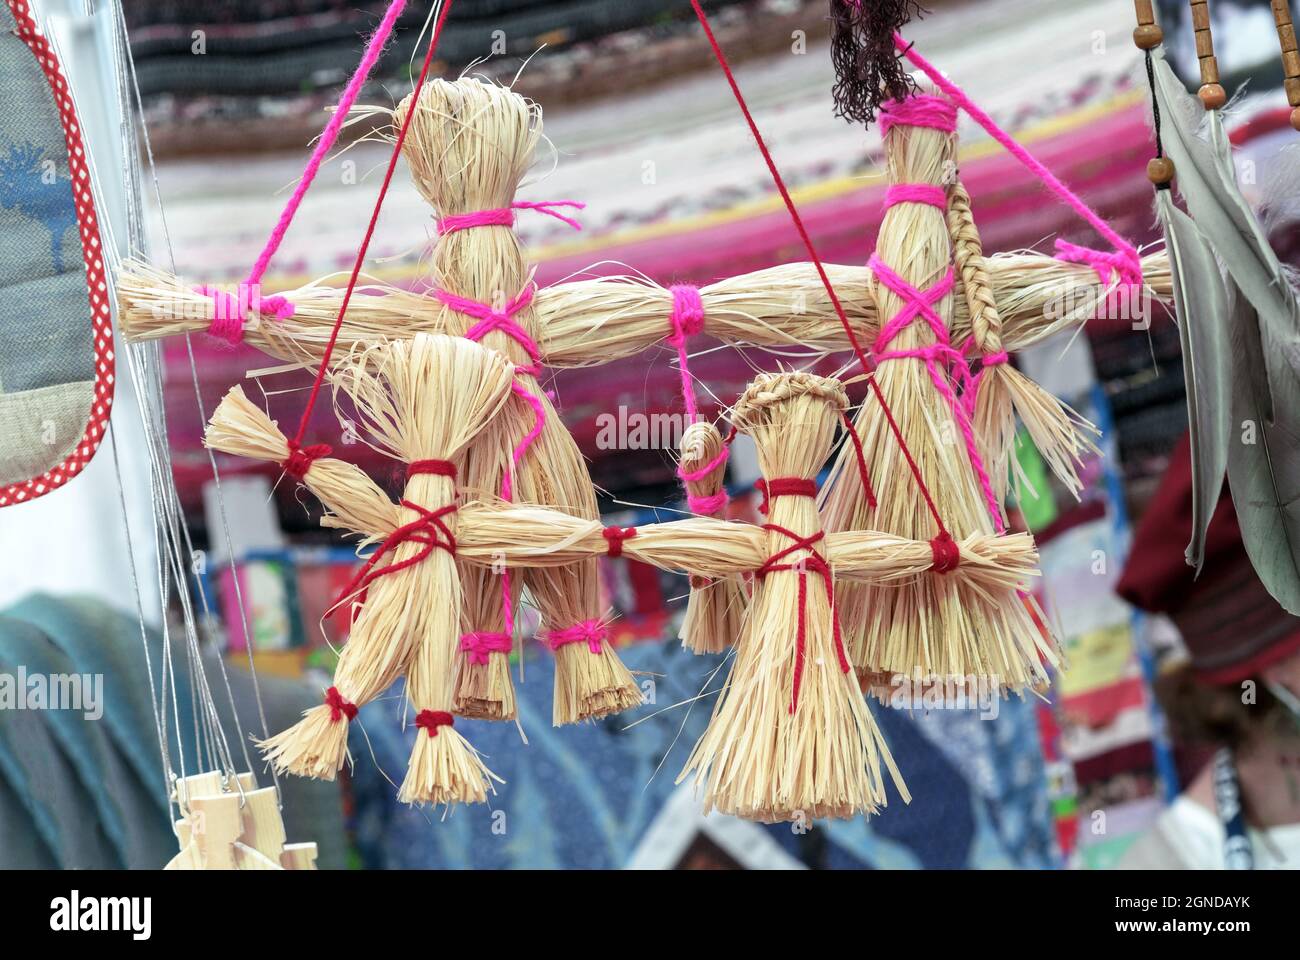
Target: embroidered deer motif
[(29, 184)]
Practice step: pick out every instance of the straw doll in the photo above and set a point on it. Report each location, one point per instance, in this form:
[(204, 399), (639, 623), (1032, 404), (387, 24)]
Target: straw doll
[(791, 735), (931, 625), (420, 401), (470, 143)]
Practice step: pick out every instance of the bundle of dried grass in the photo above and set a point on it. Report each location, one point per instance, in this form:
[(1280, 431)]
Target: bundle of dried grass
[(595, 321), (934, 623), (1061, 435), (715, 607), (421, 401), (468, 146), (492, 533), (791, 735)]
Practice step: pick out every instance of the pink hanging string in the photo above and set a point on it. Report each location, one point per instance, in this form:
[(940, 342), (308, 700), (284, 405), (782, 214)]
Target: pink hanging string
[(231, 327), (1123, 263), (505, 216)]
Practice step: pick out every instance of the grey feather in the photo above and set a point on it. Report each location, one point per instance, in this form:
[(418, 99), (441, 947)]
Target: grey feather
[(1264, 457), (1201, 309), (1264, 331)]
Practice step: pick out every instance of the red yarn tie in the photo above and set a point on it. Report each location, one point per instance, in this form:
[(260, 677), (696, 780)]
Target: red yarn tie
[(338, 706), (784, 487), (946, 553), (436, 468), (615, 536), (301, 458), (428, 529), (431, 720)]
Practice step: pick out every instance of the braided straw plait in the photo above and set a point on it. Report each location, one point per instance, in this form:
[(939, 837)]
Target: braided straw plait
[(994, 420), (1061, 435)]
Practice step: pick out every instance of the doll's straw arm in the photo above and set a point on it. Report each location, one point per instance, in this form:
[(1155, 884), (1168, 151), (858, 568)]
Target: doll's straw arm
[(356, 503), (588, 322), (153, 304), (496, 533)]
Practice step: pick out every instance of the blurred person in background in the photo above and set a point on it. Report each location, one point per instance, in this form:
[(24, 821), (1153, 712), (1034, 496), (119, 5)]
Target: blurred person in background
[(1237, 697)]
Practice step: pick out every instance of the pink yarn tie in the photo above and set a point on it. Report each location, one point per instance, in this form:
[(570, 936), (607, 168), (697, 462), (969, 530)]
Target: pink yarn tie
[(230, 310), (941, 360), (505, 216), (921, 110), (925, 193), (479, 644), (590, 632)]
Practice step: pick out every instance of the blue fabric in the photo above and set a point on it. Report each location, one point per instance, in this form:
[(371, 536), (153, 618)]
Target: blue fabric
[(583, 796), (109, 771)]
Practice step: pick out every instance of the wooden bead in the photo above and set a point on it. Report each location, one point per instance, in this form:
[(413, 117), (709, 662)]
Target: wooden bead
[(1295, 118), (1213, 96), (1292, 86), (1148, 36), (1160, 170)]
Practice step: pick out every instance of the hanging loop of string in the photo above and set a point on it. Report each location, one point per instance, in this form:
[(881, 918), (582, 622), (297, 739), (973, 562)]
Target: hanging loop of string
[(230, 312), (1123, 262), (865, 360)]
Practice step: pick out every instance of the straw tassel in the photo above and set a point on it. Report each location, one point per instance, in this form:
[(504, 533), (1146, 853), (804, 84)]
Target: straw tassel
[(1001, 392), (715, 607)]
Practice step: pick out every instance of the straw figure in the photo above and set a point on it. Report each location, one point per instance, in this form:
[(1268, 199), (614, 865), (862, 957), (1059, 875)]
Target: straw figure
[(420, 401), (932, 626)]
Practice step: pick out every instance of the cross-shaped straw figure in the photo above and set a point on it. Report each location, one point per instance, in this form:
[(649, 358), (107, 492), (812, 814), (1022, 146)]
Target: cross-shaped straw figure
[(467, 131)]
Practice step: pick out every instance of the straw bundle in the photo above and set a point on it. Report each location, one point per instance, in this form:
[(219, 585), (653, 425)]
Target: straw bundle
[(933, 623), (493, 533), (715, 607), (468, 146), (1061, 435), (791, 736), (418, 400), (596, 321)]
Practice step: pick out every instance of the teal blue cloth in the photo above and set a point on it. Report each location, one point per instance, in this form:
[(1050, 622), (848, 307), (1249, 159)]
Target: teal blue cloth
[(90, 792)]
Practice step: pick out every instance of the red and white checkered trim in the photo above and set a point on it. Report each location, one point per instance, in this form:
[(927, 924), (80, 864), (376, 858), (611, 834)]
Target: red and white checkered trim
[(96, 283)]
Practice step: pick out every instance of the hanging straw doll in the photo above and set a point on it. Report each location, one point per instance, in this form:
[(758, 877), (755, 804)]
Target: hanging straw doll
[(469, 145), (421, 401), (933, 626), (791, 734)]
